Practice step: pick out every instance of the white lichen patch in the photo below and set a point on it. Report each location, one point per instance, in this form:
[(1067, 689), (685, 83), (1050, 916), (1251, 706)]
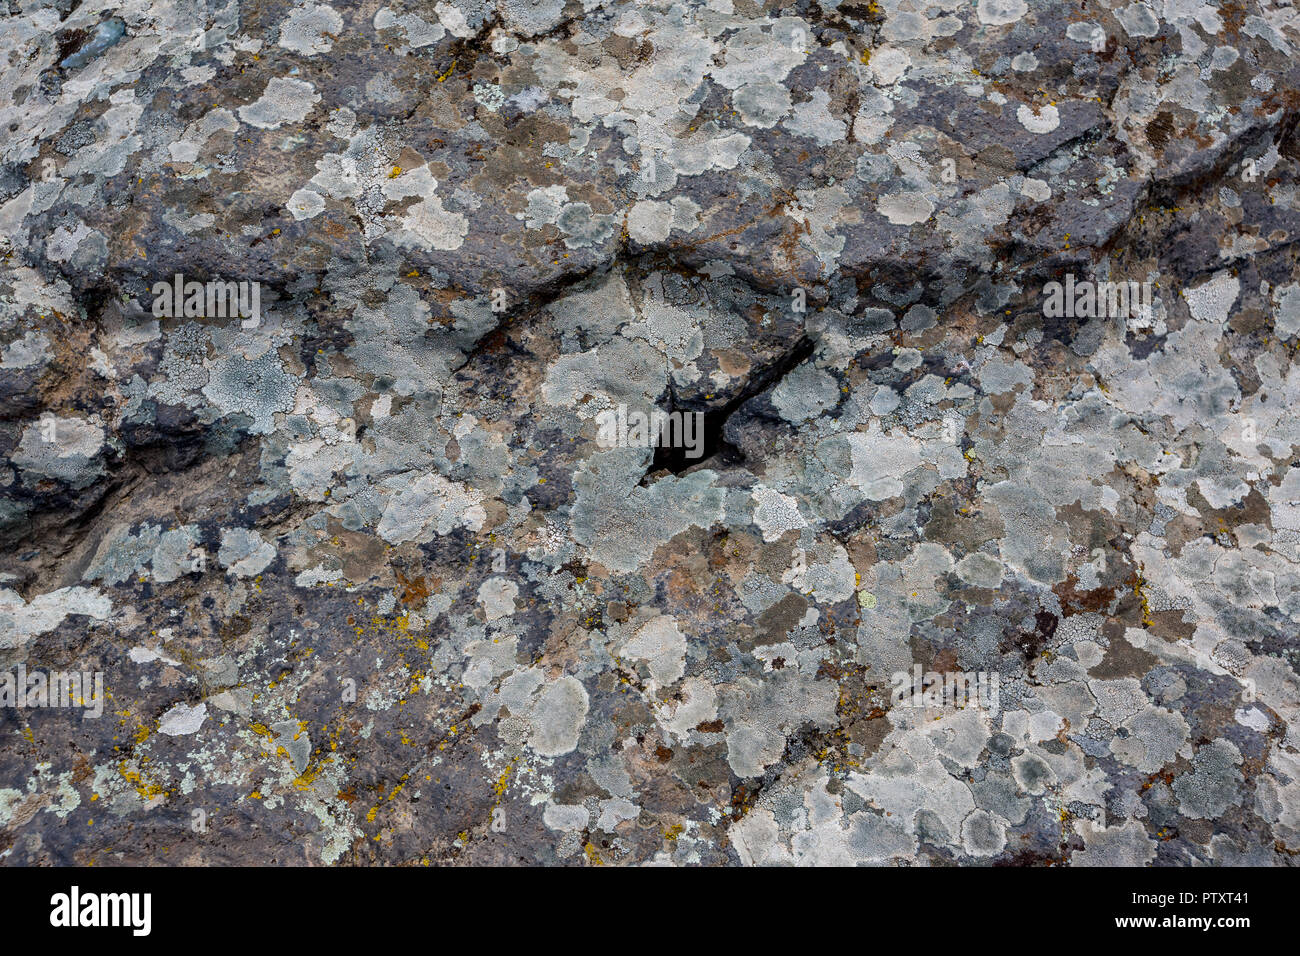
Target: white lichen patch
[(21, 620), (183, 720), (557, 717), (305, 204), (498, 595), (429, 505), (285, 100), (1001, 12), (1212, 300), (66, 449), (775, 513), (434, 227), (1041, 119), (419, 32), (662, 646), (311, 29), (244, 553), (905, 209)]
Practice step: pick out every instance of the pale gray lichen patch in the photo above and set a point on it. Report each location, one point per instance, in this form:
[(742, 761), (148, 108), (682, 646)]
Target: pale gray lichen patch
[(21, 619), (67, 449), (256, 388), (182, 720), (285, 100), (244, 553), (1214, 783), (557, 717), (310, 29)]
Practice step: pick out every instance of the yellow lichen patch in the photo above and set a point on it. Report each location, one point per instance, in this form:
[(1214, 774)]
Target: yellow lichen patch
[(308, 777), (503, 782), (144, 788), (398, 789), (1139, 589)]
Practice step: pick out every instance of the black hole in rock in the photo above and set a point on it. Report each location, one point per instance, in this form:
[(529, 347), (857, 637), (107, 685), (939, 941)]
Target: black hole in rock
[(716, 449)]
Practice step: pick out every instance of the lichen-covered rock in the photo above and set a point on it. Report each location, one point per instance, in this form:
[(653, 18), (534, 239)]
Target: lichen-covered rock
[(327, 332)]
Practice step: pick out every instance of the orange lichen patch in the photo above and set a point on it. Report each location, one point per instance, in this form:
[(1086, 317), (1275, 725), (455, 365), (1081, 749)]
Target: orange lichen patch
[(412, 590)]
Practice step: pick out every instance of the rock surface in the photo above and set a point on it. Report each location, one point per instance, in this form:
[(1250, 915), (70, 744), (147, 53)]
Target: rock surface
[(365, 585)]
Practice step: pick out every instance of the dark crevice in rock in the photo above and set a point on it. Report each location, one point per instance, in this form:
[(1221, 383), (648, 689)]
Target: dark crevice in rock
[(538, 299), (717, 450), (1085, 137)]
